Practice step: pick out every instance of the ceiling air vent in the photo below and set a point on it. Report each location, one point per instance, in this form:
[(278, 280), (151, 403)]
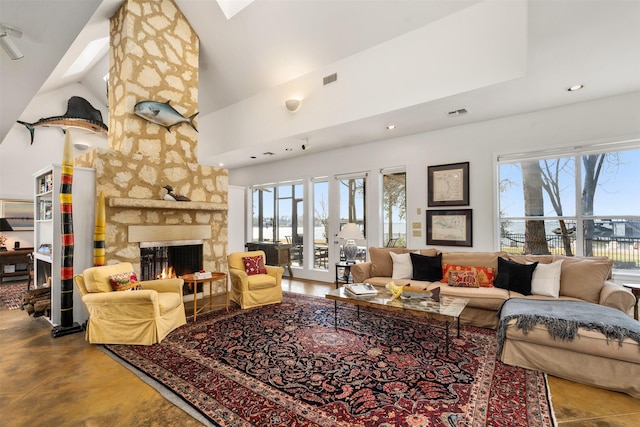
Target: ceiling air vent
[(267, 153), (457, 112), (329, 79)]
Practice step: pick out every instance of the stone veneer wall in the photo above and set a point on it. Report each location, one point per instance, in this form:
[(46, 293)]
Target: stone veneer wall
[(154, 56), (135, 183)]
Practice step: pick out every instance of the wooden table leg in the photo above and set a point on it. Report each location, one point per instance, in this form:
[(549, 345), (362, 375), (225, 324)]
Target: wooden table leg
[(195, 299)]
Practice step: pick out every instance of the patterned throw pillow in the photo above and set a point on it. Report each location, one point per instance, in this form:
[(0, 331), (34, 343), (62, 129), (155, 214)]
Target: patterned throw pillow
[(254, 265), (486, 275), (125, 282), (464, 279)]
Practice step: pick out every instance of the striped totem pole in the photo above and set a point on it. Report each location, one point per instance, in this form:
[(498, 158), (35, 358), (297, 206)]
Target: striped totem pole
[(67, 326), (99, 232)]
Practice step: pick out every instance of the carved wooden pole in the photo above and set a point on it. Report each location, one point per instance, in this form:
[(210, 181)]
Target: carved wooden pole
[(67, 326), (99, 232)]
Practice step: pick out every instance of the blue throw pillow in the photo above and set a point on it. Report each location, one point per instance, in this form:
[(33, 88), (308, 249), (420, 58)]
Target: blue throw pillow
[(514, 276), (427, 268)]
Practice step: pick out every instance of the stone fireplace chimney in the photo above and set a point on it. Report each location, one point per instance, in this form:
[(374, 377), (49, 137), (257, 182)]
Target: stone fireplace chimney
[(154, 57)]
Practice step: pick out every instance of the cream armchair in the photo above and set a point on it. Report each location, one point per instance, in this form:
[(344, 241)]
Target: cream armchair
[(257, 289), (142, 317)]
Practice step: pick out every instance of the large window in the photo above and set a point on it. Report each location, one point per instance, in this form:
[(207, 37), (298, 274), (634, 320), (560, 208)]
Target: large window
[(394, 208), (580, 204), (353, 194), (278, 216), (321, 223)]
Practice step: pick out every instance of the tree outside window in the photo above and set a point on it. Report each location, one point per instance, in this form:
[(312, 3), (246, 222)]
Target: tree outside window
[(394, 199), (572, 205)]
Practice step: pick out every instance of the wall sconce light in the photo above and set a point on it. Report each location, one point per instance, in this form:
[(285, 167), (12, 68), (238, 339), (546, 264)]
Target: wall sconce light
[(81, 145), (292, 104), (7, 44)]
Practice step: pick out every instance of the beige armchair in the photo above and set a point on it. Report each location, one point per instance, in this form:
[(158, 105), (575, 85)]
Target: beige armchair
[(257, 289), (142, 317)]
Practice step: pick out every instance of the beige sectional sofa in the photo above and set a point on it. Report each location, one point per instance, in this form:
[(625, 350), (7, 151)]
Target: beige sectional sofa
[(590, 358)]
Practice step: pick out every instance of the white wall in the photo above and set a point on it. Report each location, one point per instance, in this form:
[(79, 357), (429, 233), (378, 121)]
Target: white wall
[(19, 159), (477, 143), (236, 222)]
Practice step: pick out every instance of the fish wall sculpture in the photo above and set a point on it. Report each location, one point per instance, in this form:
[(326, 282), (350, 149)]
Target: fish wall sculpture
[(80, 114), (162, 113)]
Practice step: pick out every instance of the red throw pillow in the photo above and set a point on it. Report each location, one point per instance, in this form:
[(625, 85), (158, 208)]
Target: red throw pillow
[(254, 265), (125, 282), (486, 275), (464, 279)]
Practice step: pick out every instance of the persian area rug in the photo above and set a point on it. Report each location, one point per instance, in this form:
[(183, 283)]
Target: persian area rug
[(286, 365), (12, 295)]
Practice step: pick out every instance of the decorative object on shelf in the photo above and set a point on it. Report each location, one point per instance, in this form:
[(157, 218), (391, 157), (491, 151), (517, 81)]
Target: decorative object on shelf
[(162, 113), (67, 325), (99, 232), (80, 114), (172, 196), (350, 233), (44, 249), (448, 185), (449, 227)]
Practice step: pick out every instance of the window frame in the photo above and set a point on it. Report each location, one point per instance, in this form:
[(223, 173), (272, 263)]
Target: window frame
[(576, 153)]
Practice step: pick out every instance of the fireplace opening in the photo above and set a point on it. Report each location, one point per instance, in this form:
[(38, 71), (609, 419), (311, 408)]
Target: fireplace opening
[(174, 259)]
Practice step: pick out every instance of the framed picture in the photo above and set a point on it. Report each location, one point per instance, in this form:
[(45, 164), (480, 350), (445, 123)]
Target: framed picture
[(449, 227), (18, 213), (448, 185)]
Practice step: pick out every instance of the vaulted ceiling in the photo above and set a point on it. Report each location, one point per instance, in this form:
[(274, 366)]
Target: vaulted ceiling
[(486, 57)]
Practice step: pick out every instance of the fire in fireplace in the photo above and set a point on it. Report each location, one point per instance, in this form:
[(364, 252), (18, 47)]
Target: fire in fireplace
[(181, 257)]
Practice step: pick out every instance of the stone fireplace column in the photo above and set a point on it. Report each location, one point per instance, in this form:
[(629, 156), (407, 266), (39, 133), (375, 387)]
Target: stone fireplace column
[(153, 56)]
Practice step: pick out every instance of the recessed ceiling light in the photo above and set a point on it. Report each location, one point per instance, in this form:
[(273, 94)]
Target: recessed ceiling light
[(575, 88), (391, 127), (220, 164)]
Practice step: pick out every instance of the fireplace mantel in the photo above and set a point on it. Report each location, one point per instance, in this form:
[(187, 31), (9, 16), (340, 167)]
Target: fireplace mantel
[(122, 202)]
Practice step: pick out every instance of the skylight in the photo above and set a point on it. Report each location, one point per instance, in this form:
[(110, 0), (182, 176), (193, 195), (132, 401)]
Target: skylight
[(231, 7), (94, 50)]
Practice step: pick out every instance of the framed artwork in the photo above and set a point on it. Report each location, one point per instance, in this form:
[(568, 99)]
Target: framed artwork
[(18, 213), (449, 227), (448, 185)]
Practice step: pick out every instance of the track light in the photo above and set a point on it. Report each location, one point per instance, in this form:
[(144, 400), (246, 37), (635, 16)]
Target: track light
[(6, 32)]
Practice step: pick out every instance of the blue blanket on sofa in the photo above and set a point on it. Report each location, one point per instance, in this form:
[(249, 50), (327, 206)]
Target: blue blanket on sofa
[(563, 318)]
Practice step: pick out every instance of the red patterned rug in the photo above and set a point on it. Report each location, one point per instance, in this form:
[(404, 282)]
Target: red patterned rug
[(285, 365), (12, 294)]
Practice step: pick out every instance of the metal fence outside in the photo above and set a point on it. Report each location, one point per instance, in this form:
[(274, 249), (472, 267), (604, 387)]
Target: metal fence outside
[(624, 251)]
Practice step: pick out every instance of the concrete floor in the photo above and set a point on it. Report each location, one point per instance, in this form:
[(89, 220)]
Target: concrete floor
[(65, 381)]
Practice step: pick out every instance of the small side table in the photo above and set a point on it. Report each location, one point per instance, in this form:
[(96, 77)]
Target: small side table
[(193, 281), (346, 266), (635, 290)]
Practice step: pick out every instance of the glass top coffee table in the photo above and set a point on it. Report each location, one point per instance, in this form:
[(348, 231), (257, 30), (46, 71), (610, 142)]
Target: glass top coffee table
[(420, 304)]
